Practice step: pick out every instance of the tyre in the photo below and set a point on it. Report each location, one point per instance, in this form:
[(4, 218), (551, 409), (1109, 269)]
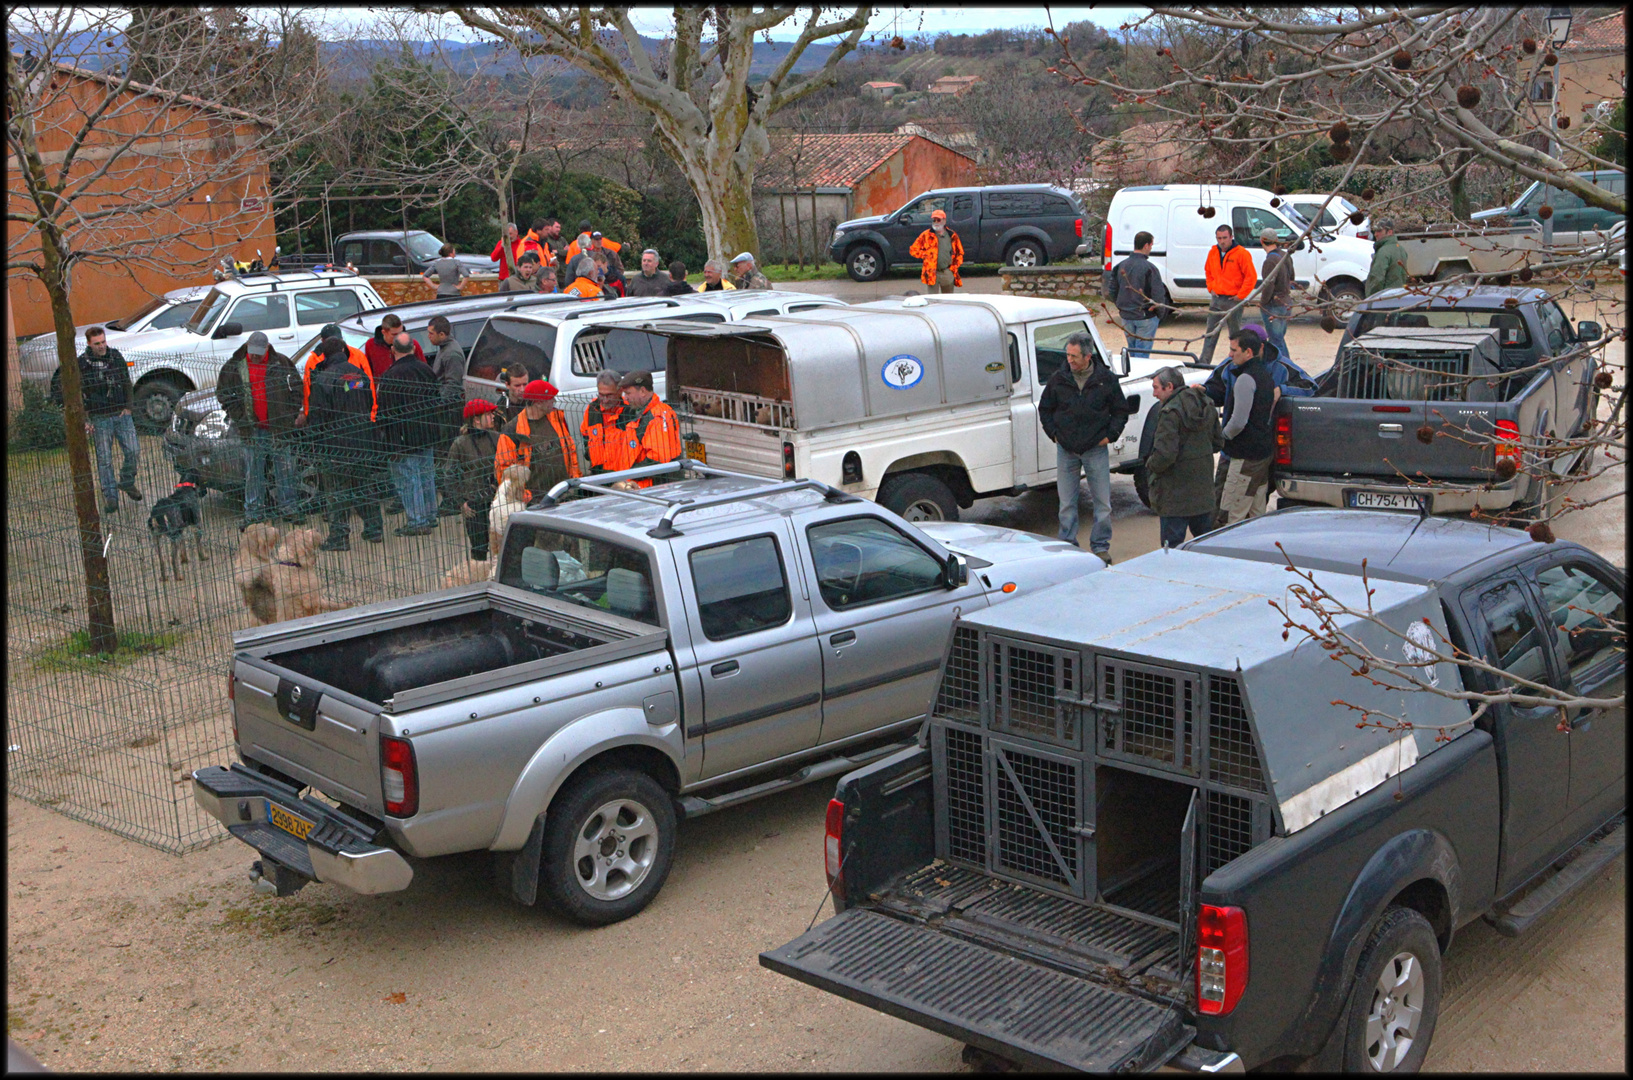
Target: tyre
[(1142, 486), (1447, 271), (609, 840), (919, 497), (154, 403), (865, 263), (1395, 999), (1347, 292), (1025, 253)]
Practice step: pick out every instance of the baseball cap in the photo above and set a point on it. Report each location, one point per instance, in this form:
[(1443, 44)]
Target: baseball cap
[(635, 378), (742, 257), (1269, 234), (595, 236), (936, 215), (258, 343), (539, 390), (330, 330), (476, 408)]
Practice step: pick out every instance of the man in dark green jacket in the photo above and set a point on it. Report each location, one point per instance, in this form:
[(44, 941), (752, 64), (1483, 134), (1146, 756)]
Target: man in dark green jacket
[(470, 472), (261, 393), (1180, 465), (1388, 260)]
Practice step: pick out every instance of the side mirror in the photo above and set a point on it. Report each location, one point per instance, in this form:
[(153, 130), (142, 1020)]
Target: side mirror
[(398, 260), (227, 330), (956, 573), (1133, 404), (1589, 331), (1123, 363)]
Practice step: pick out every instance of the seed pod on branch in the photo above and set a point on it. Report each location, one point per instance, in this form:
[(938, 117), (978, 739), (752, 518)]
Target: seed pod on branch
[(1341, 151), (1328, 323), (1208, 211), (1274, 201), (1506, 469), (1402, 60), (1357, 217), (1545, 212), (1550, 59), (1339, 132), (1512, 301), (1367, 195), (897, 43), (1426, 434), (1468, 96), (1529, 46), (1526, 273), (1541, 533), (1564, 122), (1602, 379), (1281, 189)]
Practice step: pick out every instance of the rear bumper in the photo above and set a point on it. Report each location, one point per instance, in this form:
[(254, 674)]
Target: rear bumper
[(1443, 498), (339, 849), (219, 461)]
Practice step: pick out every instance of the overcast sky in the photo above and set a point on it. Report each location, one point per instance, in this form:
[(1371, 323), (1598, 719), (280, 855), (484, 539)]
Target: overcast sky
[(903, 19)]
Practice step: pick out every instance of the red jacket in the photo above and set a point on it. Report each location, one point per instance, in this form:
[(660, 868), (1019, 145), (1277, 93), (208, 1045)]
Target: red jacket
[(379, 354), (498, 253)]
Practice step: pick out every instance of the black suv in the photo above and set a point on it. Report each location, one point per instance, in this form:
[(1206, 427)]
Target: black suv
[(203, 441), (1018, 224)]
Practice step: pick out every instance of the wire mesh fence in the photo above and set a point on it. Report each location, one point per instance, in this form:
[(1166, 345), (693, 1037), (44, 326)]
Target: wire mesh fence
[(113, 742)]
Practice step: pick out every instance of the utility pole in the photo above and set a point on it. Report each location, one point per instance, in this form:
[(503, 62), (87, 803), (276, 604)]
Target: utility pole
[(1559, 32)]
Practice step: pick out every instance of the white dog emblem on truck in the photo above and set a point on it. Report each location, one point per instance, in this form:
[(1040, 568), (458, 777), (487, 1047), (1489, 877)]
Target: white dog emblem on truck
[(902, 371), (1419, 650)]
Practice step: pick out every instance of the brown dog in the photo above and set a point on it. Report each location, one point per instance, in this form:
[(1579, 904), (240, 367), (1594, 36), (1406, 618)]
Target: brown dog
[(511, 497), (286, 587), (255, 548), (469, 572)]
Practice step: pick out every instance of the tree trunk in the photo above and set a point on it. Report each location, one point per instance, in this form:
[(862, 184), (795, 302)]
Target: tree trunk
[(98, 595)]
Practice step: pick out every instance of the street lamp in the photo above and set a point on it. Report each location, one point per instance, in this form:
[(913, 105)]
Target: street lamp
[(1559, 32)]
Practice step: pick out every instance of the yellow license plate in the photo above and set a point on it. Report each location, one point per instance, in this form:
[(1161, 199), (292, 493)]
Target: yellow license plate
[(295, 826), (696, 451)]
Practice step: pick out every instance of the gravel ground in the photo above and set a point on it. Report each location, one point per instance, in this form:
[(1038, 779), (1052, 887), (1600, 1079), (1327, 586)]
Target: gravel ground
[(121, 958)]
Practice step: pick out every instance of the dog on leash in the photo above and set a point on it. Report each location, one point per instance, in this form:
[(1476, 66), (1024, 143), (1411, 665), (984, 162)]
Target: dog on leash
[(255, 550), (286, 587), (511, 497), (174, 518)]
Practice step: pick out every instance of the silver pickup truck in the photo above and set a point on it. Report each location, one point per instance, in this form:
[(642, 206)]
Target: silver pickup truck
[(642, 655)]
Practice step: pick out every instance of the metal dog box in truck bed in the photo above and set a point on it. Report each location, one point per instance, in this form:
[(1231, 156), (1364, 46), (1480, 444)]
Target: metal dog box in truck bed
[(1143, 827)]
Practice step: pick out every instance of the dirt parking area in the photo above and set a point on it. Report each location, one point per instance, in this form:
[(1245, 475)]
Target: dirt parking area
[(121, 958)]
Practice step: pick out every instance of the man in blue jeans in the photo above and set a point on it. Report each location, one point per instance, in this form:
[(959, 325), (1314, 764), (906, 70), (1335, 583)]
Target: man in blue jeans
[(1136, 288), (1082, 410), (104, 384), (1275, 290), (410, 414), (260, 391)]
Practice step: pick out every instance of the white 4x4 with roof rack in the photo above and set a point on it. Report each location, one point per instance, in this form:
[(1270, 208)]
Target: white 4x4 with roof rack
[(287, 308)]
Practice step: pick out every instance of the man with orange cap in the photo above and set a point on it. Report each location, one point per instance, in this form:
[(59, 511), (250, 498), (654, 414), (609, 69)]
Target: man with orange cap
[(651, 428), (942, 252), (539, 438)]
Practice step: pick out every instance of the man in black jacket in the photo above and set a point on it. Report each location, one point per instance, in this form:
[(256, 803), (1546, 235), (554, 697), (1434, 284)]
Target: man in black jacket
[(260, 391), (1250, 438), (104, 385), (411, 423), (343, 435), (1082, 410), (1136, 288)]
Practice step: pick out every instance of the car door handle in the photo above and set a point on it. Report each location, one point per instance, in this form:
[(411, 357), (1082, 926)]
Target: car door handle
[(724, 668), (843, 638)]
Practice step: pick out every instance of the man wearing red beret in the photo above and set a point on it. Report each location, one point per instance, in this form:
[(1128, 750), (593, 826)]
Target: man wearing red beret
[(539, 439), (470, 472)]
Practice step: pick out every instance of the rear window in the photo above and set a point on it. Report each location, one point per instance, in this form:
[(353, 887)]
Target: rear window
[(1510, 325), (579, 570), (1014, 204), (327, 306), (504, 342)]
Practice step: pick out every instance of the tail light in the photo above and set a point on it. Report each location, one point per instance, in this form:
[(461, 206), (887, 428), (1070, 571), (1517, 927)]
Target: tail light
[(1078, 225), (1508, 441), (788, 460), (1221, 958), (1106, 251), (400, 780), (1284, 440), (830, 844), (1391, 408), (1363, 235)]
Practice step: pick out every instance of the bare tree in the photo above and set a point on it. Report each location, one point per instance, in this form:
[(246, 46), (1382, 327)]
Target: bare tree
[(708, 118), (105, 168)]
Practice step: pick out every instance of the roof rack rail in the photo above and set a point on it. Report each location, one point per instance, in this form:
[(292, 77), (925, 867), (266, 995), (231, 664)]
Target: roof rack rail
[(658, 301), (676, 506)]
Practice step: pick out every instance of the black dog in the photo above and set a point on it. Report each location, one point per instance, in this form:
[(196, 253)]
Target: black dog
[(173, 517)]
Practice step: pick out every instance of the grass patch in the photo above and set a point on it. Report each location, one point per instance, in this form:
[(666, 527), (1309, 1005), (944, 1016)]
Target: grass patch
[(269, 917), (73, 653)]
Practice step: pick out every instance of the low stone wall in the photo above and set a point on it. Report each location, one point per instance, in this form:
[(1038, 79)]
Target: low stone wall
[(1065, 282), (406, 288)]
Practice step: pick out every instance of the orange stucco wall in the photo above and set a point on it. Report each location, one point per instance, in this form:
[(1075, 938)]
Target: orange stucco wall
[(918, 167), (155, 250)]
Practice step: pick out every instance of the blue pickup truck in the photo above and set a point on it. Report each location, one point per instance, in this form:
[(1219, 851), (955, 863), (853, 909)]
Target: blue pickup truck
[(1140, 829)]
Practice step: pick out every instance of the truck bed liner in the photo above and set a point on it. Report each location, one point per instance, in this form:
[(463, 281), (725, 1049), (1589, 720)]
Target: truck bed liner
[(1045, 1018)]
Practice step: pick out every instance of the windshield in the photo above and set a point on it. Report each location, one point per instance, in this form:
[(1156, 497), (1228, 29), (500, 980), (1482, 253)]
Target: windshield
[(131, 320), (176, 316), (423, 245), (209, 310), (579, 570)]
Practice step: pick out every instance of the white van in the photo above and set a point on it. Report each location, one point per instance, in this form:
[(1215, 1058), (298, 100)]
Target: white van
[(1324, 265)]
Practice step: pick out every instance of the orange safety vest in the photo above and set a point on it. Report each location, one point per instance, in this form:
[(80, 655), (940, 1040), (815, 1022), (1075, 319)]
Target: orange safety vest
[(520, 449), (355, 356), (604, 440), (584, 289), (651, 437), (531, 242)]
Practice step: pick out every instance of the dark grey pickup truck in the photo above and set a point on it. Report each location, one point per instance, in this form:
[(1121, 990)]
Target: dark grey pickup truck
[(1492, 372), (1139, 830)]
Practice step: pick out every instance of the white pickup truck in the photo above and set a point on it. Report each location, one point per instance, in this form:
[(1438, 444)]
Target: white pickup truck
[(924, 403)]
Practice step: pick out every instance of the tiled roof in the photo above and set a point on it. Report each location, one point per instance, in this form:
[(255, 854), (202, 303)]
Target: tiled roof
[(1609, 32), (883, 85), (828, 159)]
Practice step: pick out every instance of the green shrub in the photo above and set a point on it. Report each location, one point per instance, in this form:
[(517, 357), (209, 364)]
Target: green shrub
[(37, 425)]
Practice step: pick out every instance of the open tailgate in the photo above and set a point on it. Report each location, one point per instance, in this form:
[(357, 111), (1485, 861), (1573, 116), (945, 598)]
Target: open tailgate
[(1034, 1015)]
